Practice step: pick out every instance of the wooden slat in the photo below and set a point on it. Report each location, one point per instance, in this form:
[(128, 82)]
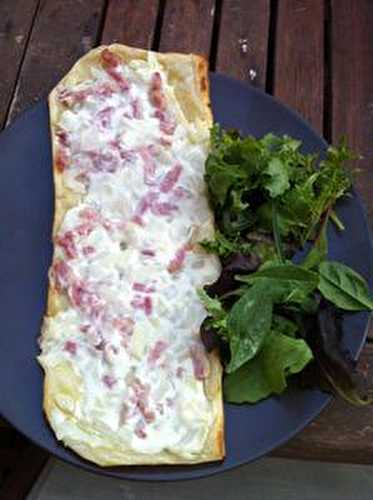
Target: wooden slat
[(243, 40), (299, 63), (63, 31), (16, 20), (23, 476), (131, 22), (187, 26), (342, 433), (352, 85)]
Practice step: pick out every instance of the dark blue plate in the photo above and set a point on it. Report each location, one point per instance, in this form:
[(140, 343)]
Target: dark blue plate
[(26, 211)]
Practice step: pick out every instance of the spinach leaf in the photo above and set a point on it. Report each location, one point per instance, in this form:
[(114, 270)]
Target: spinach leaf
[(266, 374), (284, 326), (248, 323), (344, 287), (284, 282)]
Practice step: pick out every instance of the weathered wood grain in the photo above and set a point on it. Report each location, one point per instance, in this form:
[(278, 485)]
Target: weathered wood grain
[(23, 475), (16, 19), (63, 31), (243, 40), (352, 85), (342, 433), (187, 26), (131, 22), (299, 58)]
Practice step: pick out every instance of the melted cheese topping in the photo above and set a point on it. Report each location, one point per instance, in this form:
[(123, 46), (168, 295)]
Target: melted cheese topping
[(124, 258)]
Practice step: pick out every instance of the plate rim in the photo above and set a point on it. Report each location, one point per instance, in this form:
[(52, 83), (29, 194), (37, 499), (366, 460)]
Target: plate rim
[(217, 467)]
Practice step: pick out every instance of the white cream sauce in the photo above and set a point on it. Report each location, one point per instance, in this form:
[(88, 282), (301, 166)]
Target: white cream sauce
[(133, 326)]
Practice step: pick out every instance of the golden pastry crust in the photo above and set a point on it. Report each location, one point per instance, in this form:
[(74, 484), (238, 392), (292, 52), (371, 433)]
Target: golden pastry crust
[(188, 77)]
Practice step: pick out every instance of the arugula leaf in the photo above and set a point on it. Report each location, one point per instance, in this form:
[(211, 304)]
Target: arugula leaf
[(217, 319), (248, 323), (223, 246), (344, 287), (319, 251), (278, 181), (266, 374), (276, 233), (244, 175)]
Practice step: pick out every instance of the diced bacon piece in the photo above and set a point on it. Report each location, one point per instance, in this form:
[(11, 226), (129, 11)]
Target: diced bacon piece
[(109, 59), (105, 115), (156, 95), (88, 250), (165, 141), (143, 206), (103, 161), (141, 287), (128, 155), (84, 229), (124, 324), (140, 430), (67, 243), (163, 208), (137, 111), (148, 305), (83, 178), (109, 381), (62, 159), (166, 123), (170, 179), (149, 165), (63, 137), (111, 63), (144, 303), (148, 414), (180, 372), (137, 219), (200, 362), (181, 193), (141, 399), (105, 89), (60, 272), (156, 351), (70, 346), (177, 262), (83, 298), (70, 97), (148, 252), (89, 214)]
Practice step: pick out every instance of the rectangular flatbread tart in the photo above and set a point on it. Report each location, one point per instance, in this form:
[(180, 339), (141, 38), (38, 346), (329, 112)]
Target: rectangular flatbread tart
[(127, 379)]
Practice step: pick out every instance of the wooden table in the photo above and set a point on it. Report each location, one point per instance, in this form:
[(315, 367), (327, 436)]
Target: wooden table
[(315, 55)]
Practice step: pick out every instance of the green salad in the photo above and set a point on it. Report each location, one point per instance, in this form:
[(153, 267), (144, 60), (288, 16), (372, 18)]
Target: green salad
[(276, 309)]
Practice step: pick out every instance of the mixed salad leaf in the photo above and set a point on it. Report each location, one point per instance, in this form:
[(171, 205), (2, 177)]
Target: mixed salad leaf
[(273, 318)]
